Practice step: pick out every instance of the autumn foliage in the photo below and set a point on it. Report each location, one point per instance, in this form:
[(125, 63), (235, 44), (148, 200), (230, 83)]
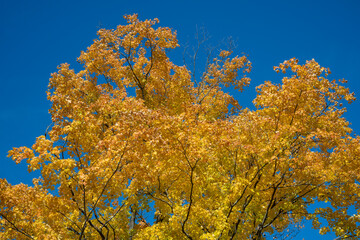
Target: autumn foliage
[(179, 158)]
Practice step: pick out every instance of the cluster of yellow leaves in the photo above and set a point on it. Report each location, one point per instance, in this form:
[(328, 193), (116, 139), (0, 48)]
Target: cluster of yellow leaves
[(176, 151)]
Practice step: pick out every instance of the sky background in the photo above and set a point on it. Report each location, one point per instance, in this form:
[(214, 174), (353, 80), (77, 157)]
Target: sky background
[(36, 36)]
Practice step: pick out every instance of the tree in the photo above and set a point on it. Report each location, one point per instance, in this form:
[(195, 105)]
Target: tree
[(179, 158)]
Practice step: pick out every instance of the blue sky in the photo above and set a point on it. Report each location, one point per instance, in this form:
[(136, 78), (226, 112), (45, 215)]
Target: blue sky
[(36, 36)]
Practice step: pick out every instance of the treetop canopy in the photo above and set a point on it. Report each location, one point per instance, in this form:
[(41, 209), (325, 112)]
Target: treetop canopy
[(181, 159)]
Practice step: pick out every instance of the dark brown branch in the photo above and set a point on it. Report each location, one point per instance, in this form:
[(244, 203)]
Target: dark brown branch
[(15, 227)]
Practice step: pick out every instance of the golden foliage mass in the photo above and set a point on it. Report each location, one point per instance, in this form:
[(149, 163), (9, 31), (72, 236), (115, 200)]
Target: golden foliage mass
[(181, 159)]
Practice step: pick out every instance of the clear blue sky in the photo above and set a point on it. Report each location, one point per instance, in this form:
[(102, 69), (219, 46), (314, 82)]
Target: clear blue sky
[(36, 36)]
